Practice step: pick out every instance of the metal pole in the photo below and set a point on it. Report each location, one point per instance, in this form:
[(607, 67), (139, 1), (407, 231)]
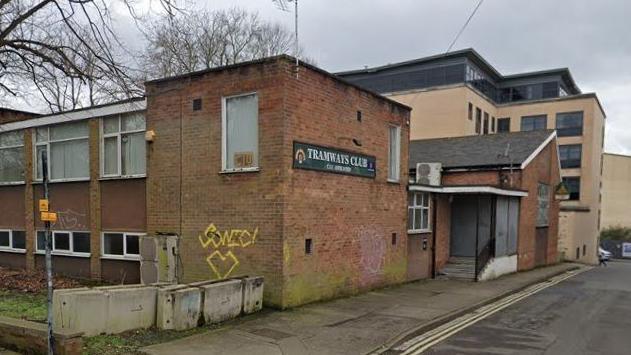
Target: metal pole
[(296, 49), (49, 261)]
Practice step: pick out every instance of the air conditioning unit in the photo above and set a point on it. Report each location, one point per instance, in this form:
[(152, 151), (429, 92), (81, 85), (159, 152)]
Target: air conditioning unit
[(428, 173)]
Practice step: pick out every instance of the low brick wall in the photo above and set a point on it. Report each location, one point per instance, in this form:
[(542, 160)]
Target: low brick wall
[(31, 338)]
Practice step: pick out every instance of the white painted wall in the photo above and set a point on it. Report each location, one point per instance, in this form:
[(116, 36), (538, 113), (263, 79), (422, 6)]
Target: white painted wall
[(499, 266)]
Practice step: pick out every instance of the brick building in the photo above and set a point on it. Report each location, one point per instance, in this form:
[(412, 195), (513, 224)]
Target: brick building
[(487, 204), (99, 197), (261, 196), (249, 169)]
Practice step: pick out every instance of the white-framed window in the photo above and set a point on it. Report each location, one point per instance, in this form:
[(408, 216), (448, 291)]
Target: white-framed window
[(418, 212), (71, 243), (394, 153), (12, 241), (123, 146), (240, 133), (67, 150), (12, 157), (543, 197), (120, 245)]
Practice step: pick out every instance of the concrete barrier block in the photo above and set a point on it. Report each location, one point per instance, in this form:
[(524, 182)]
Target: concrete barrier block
[(165, 306), (222, 301), (133, 308), (187, 308), (85, 311), (252, 294)]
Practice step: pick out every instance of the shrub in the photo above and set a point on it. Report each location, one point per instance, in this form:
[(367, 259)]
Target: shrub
[(616, 233)]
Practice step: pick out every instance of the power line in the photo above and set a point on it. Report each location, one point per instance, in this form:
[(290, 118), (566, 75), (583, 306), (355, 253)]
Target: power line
[(464, 26)]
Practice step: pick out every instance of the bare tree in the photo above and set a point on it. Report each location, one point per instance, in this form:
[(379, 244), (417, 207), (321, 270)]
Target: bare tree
[(206, 39), (63, 49)]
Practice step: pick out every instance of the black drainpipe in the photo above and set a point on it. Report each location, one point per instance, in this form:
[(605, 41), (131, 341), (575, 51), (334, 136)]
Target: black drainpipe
[(477, 232)]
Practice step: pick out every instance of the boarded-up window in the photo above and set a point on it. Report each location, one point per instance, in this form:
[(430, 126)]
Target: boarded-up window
[(241, 133)]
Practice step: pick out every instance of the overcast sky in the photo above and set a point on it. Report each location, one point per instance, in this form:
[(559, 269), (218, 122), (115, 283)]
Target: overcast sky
[(592, 38)]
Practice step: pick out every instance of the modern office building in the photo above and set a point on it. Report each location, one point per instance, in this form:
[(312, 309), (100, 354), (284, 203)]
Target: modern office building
[(616, 191), (461, 94)]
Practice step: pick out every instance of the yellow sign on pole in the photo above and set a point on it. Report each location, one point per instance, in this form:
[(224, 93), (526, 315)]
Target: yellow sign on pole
[(49, 217), (43, 205)]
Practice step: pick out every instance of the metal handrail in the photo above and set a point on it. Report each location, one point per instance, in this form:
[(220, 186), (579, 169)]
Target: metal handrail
[(484, 256)]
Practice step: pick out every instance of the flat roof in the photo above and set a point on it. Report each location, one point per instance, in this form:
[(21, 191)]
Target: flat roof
[(468, 189), (113, 108), (280, 57), (477, 59)]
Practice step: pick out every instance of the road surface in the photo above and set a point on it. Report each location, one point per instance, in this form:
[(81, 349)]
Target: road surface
[(587, 314)]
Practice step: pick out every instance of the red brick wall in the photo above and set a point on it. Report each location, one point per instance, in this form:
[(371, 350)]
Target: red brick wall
[(443, 230), (350, 219), (545, 169), (186, 191), (8, 115)]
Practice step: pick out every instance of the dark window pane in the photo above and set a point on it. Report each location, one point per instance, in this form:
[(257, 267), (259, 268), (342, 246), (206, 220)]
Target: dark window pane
[(61, 241), (81, 242), (5, 240), (503, 124), (41, 240), (570, 156), (550, 89), (133, 246), (470, 111), (534, 123), (492, 124), (573, 184), (19, 240), (113, 243), (478, 120), (486, 123), (569, 124)]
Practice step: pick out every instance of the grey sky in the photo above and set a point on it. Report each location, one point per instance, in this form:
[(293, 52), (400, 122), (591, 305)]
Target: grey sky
[(592, 38)]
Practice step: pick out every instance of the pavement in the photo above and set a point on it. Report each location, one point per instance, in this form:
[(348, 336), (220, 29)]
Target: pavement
[(355, 325), (586, 314)]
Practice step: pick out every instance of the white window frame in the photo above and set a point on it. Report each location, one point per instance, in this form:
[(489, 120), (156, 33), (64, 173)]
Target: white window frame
[(397, 161), (224, 135), (10, 248), (70, 252), (18, 182), (118, 135), (125, 256), (47, 145), (420, 208)]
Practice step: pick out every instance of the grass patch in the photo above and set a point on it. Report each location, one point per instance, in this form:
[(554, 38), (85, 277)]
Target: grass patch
[(23, 305), (131, 342)]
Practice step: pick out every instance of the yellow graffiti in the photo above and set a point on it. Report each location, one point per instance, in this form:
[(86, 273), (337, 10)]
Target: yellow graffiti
[(225, 263), (218, 261)]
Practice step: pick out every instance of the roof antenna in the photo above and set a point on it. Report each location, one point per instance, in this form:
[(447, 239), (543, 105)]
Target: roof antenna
[(282, 5)]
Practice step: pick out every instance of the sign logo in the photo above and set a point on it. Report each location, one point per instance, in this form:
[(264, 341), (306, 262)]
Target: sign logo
[(300, 156), (314, 157)]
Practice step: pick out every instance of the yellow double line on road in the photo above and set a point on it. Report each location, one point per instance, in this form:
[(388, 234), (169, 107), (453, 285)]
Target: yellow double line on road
[(419, 344)]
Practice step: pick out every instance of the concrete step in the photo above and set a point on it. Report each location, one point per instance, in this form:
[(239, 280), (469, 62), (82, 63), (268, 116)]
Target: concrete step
[(462, 260)]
